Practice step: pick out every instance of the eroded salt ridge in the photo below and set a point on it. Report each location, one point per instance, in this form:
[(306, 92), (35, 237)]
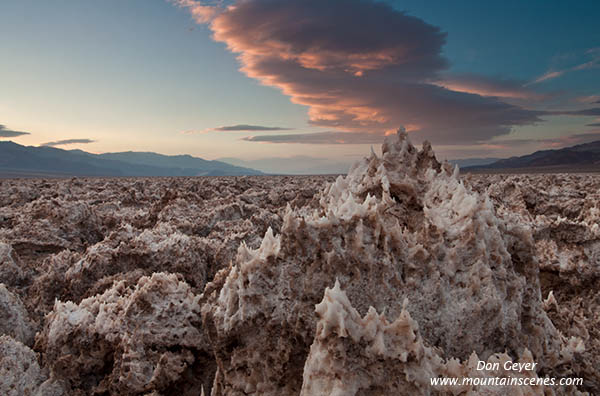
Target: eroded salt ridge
[(226, 285), (398, 226)]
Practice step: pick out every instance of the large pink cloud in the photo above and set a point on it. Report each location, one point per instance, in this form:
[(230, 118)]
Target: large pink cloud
[(362, 67)]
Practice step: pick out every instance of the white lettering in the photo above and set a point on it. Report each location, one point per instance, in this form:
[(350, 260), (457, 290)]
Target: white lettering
[(481, 365), (511, 366)]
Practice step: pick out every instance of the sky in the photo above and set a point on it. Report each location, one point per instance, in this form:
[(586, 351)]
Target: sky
[(299, 80)]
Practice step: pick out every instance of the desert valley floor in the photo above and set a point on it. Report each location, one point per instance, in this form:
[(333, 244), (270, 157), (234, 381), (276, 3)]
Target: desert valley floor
[(368, 284)]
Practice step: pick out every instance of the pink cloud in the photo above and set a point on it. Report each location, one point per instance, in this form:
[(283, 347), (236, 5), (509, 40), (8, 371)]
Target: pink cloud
[(591, 99), (593, 63), (330, 137), (201, 13), (549, 76), (362, 67), (484, 86)]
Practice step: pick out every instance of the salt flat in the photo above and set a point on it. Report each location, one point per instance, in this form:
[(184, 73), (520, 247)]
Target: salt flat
[(398, 272)]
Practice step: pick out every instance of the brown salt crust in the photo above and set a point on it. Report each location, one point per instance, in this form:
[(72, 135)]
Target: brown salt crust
[(52, 224), (564, 215), (125, 253), (129, 340), (50, 283), (216, 213), (399, 225), (576, 313)]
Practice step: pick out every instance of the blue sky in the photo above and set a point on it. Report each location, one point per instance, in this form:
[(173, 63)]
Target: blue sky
[(519, 39), (146, 75)]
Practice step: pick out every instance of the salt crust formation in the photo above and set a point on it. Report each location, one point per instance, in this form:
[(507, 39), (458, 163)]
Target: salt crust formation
[(78, 240), (399, 226), (372, 356), (14, 320), (369, 284), (10, 269), (20, 373), (564, 213), (128, 340)]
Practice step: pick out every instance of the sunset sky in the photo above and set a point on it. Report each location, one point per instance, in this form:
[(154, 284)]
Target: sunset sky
[(326, 79)]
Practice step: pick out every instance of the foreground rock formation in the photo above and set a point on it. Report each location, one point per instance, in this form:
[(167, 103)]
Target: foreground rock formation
[(368, 284)]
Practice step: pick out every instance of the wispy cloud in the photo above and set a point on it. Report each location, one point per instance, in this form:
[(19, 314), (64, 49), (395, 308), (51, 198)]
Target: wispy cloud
[(593, 63), (68, 141), (239, 128), (365, 80), (330, 137), (594, 111), (247, 128), (549, 76), (5, 132), (590, 99), (487, 86)]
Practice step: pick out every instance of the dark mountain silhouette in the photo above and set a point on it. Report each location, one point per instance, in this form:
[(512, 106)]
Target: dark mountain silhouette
[(16, 160), (583, 157)]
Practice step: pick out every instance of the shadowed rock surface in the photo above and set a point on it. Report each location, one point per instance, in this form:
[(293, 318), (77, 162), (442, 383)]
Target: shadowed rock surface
[(369, 284)]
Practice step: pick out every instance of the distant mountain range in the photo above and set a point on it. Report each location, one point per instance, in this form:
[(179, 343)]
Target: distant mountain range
[(306, 165), (296, 165), (17, 160), (580, 158), (462, 163)]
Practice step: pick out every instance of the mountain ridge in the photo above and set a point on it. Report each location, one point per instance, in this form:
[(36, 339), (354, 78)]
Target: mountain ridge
[(581, 157), (17, 159)]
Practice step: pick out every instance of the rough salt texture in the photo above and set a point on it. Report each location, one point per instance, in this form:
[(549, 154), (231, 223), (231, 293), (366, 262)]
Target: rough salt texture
[(41, 219), (129, 340), (14, 319), (20, 373), (11, 272), (563, 212), (126, 253), (158, 286)]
